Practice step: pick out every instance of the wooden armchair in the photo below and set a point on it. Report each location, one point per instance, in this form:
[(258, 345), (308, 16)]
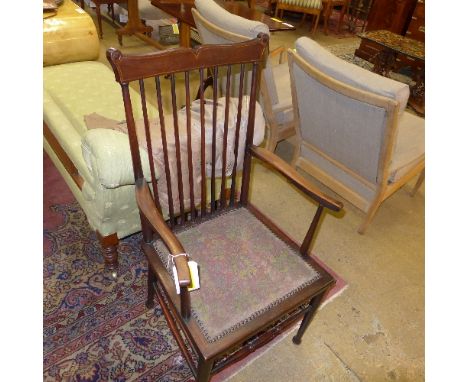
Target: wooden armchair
[(353, 133), (255, 281)]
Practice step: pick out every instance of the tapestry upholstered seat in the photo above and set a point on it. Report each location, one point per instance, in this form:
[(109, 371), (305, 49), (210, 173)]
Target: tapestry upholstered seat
[(254, 281), (246, 270)]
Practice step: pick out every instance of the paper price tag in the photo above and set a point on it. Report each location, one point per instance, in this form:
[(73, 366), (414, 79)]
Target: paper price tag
[(175, 28), (194, 276)]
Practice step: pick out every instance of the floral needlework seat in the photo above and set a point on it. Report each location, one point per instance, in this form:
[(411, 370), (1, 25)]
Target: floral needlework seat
[(245, 270)]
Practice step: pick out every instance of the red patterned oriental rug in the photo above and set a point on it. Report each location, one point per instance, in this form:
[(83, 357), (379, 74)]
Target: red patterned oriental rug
[(97, 328)]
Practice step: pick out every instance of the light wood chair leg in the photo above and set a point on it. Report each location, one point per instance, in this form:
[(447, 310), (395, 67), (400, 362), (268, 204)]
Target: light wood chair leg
[(370, 214), (317, 18), (272, 139), (418, 182)]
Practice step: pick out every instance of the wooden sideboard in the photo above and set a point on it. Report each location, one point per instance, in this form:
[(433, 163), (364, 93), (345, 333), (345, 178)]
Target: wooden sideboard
[(405, 17)]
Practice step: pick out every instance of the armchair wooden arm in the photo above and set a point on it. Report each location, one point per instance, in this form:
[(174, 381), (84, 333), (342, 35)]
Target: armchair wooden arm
[(148, 208), (281, 50), (304, 185), (299, 181)]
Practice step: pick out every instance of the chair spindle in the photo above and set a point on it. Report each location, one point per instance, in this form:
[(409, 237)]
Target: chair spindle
[(166, 156), (180, 185), (149, 145), (188, 111)]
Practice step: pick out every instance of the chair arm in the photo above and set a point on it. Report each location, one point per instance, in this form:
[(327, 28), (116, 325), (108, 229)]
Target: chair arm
[(280, 50), (147, 207), (299, 181)]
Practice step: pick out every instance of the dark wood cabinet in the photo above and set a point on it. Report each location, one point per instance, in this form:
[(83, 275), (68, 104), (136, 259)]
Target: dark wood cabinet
[(405, 17)]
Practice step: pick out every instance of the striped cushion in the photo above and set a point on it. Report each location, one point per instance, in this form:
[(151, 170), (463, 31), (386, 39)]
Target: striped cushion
[(304, 3)]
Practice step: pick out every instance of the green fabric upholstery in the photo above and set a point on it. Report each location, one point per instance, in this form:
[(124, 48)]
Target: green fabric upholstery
[(72, 91), (244, 270)]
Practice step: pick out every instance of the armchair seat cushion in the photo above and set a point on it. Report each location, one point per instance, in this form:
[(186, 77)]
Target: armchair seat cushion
[(228, 21), (244, 270), (409, 146)]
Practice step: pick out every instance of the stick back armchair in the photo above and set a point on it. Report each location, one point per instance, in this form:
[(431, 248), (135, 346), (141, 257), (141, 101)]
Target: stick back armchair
[(255, 281)]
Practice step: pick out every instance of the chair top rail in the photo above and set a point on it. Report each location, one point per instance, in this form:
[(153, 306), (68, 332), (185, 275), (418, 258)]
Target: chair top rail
[(130, 68)]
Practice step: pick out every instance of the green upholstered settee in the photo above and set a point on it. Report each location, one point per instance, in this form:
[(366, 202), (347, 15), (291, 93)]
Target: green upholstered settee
[(96, 164)]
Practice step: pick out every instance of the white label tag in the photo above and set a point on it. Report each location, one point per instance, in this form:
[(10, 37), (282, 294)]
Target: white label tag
[(176, 279)]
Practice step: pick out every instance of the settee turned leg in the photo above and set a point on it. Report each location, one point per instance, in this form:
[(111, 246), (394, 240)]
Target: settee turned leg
[(109, 246)]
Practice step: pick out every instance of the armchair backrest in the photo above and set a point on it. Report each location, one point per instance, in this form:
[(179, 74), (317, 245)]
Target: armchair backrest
[(218, 26), (192, 146), (345, 113)]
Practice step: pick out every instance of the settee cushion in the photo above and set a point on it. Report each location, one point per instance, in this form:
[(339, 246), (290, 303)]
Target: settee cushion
[(217, 15), (81, 88), (108, 158), (352, 74)]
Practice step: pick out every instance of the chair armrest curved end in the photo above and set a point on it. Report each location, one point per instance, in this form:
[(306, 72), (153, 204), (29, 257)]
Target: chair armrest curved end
[(149, 210)]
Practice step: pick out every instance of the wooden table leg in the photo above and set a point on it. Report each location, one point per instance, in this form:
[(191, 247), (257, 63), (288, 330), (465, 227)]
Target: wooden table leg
[(135, 27), (184, 35), (383, 61), (344, 9)]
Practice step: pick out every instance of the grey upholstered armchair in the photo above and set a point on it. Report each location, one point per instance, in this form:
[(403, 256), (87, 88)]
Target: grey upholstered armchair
[(217, 26), (353, 133)]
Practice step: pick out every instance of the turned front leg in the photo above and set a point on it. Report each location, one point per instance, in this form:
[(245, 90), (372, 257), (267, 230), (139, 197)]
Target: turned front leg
[(109, 245)]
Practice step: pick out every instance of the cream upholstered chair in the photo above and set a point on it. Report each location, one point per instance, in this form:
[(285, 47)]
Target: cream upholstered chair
[(306, 7), (354, 134), (217, 26)]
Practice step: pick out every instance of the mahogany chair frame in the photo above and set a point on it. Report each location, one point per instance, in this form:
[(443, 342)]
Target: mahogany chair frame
[(206, 358)]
